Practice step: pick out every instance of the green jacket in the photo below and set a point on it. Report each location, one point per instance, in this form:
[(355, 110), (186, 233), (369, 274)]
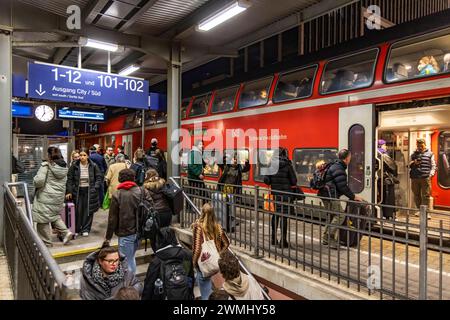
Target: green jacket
[(195, 164), (50, 184)]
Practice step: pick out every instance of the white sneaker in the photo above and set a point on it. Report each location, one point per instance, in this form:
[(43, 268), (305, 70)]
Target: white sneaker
[(417, 214), (429, 216), (67, 238), (85, 234)]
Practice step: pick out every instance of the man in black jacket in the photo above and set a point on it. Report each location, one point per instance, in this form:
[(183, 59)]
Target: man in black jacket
[(336, 186)]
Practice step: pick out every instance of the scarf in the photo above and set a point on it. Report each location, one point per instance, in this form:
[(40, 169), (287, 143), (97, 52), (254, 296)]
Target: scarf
[(127, 185), (237, 287), (110, 281)]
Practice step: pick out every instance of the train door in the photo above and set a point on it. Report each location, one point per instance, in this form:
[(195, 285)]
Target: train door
[(356, 126)]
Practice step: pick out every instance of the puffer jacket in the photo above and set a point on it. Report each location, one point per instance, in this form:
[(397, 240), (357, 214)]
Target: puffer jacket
[(90, 290), (336, 182), (284, 179), (50, 184), (95, 181), (159, 199)]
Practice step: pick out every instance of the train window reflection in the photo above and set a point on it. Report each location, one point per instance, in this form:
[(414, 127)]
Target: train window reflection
[(444, 160), (200, 106), (305, 161), (224, 100), (255, 93), (419, 57), (263, 163), (348, 73), (211, 158), (356, 145), (295, 85), (184, 106)]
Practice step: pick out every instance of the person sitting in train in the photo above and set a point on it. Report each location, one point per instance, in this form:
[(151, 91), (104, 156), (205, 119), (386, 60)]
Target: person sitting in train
[(343, 80), (446, 67), (427, 66), (262, 97), (361, 80), (397, 72), (304, 87), (285, 91)]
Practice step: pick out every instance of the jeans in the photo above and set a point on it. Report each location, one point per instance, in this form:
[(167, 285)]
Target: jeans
[(128, 246), (337, 219), (205, 285)]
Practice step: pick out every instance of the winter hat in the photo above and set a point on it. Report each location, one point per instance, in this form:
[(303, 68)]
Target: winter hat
[(381, 142)]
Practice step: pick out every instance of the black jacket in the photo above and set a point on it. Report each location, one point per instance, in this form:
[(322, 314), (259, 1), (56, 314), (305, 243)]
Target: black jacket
[(162, 169), (337, 184), (284, 179), (241, 169), (95, 181)]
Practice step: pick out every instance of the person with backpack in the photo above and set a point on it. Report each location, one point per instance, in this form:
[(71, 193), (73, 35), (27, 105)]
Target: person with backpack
[(140, 166), (207, 229), (284, 180), (161, 164), (154, 186), (333, 185), (154, 146), (170, 275), (123, 219), (112, 176)]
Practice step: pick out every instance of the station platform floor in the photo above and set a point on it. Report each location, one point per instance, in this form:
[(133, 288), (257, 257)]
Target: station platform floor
[(6, 292)]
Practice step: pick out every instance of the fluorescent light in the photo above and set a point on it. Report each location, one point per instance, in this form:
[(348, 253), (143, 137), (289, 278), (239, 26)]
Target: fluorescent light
[(408, 67), (224, 15), (129, 70), (98, 44)]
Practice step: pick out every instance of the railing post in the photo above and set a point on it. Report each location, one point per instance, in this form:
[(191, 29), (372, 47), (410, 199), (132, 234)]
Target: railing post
[(255, 204), (423, 252)]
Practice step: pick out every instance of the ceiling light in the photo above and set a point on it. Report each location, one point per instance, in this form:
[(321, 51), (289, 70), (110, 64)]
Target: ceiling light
[(129, 70), (98, 44), (224, 15)]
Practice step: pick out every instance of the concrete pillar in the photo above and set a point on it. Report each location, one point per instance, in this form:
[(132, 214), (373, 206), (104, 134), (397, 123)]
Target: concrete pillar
[(173, 109), (5, 104)]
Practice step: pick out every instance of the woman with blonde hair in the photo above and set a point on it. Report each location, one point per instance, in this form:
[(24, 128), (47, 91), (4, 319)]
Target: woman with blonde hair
[(207, 226), (154, 185)]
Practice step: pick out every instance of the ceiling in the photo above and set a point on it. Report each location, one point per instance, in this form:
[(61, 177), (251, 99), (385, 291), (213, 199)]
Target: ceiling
[(146, 28)]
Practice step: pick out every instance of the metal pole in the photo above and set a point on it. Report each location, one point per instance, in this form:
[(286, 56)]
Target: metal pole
[(423, 252), (255, 204), (143, 130), (109, 62)]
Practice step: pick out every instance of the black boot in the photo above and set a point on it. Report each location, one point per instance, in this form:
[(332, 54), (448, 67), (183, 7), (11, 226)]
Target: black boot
[(284, 244), (274, 241)]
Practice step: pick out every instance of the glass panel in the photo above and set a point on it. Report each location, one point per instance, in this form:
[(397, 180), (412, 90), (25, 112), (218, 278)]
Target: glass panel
[(356, 143), (290, 43), (224, 100), (184, 106), (242, 157), (351, 72), (211, 158), (444, 160), (184, 158), (294, 85), (254, 56), (263, 162), (255, 93), (414, 59), (200, 106), (271, 50), (305, 161)]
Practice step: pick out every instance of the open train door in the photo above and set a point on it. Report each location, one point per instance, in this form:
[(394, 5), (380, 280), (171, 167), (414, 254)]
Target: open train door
[(356, 133)]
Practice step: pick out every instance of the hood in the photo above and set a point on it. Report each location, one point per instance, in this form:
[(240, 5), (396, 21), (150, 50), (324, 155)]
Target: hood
[(88, 264), (58, 171), (283, 162), (155, 185), (165, 237), (237, 287), (127, 185)]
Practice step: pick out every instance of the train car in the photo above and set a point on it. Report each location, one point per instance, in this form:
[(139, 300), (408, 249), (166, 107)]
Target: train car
[(398, 91)]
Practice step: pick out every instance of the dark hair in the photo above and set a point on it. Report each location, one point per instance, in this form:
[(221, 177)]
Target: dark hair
[(54, 154), (219, 294), (93, 148), (343, 154), (283, 152), (127, 175), (127, 293), (229, 265), (85, 150), (120, 148), (104, 251)]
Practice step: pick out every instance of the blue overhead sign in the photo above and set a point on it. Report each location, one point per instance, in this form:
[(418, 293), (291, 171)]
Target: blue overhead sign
[(21, 110), (60, 83), (80, 115)]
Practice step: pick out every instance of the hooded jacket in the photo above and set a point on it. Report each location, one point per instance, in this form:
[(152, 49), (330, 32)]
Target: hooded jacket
[(336, 182), (90, 290), (155, 190), (243, 288), (50, 184), (167, 249), (196, 163), (95, 181), (284, 179)]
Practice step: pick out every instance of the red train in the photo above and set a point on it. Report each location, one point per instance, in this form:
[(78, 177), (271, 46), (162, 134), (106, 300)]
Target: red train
[(397, 91)]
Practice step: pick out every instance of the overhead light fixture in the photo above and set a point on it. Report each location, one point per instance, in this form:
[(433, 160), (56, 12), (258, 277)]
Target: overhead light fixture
[(224, 15), (86, 42), (129, 70)]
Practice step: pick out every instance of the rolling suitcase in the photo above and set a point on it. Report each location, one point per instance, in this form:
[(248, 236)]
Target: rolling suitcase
[(351, 238), (224, 210), (68, 216)]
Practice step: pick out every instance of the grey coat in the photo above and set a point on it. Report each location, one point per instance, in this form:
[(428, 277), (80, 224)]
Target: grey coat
[(50, 184)]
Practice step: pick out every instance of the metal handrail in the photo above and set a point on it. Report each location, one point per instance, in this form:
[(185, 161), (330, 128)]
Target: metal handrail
[(27, 197), (241, 264)]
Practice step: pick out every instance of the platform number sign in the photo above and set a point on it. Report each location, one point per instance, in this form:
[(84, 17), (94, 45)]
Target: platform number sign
[(93, 127)]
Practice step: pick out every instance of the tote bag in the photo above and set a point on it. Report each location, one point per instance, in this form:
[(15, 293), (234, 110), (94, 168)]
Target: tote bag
[(208, 262)]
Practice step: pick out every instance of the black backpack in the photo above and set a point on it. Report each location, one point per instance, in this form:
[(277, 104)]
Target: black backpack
[(174, 196), (173, 282), (318, 180), (152, 162), (147, 223), (140, 173)]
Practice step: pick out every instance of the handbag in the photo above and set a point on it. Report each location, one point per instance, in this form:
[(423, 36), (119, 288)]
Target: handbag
[(268, 202), (106, 201), (208, 262)]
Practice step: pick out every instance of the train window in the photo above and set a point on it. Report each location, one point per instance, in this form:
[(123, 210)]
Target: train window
[(255, 93), (263, 163), (184, 106), (350, 72), (356, 145), (444, 160), (419, 57), (211, 158), (242, 157), (224, 100), (295, 85), (200, 106), (305, 161)]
